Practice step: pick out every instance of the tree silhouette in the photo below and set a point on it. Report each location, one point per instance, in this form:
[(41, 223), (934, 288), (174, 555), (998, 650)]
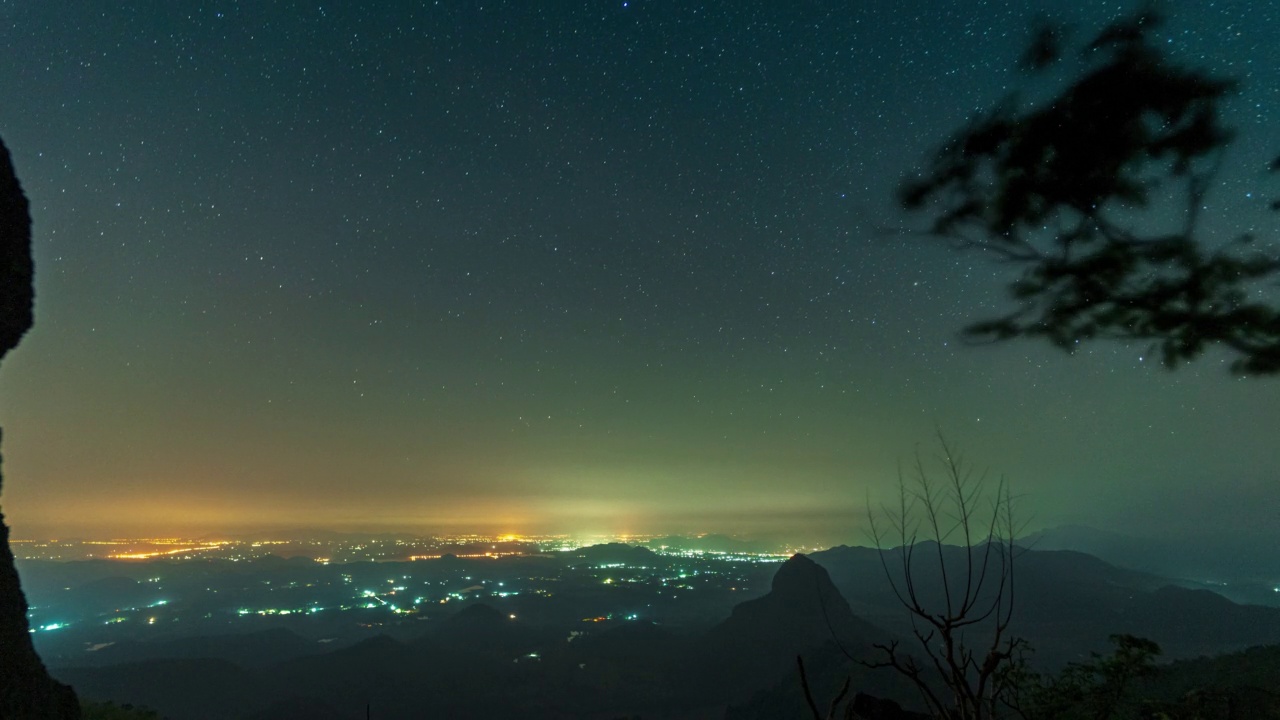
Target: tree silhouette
[(1069, 190), (1098, 689), (963, 656)]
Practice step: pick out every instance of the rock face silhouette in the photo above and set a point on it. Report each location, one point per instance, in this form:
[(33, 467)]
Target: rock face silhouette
[(803, 613), (26, 690), (803, 609)]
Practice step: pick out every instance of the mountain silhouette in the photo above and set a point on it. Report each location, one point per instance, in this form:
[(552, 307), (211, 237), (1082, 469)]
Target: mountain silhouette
[(802, 614), (249, 650), (803, 609), (482, 629), (1189, 623), (1066, 603), (1245, 560), (203, 688), (399, 680)]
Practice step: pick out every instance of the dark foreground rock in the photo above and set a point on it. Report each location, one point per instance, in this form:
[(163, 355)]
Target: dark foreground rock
[(26, 690)]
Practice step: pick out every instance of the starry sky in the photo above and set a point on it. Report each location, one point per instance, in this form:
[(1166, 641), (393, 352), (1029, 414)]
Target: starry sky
[(614, 266)]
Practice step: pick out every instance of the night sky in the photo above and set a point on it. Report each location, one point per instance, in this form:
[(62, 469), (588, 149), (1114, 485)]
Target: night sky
[(557, 266)]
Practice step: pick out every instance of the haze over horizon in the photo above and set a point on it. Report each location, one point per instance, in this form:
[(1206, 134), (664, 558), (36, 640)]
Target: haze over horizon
[(566, 268)]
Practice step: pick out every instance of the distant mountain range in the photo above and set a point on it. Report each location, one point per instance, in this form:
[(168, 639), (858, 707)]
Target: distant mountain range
[(1245, 569), (1066, 603)]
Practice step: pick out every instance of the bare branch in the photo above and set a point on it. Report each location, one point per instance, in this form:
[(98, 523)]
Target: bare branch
[(965, 643)]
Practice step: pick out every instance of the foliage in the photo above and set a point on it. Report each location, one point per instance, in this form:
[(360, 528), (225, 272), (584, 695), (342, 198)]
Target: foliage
[(1244, 684), (1255, 667), (965, 653), (1100, 689), (1218, 704), (1076, 191), (1128, 685)]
